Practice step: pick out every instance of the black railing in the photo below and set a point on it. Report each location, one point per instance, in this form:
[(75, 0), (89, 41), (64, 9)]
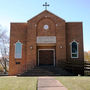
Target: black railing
[(87, 68)]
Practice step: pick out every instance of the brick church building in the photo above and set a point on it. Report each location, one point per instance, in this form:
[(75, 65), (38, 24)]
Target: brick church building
[(47, 40)]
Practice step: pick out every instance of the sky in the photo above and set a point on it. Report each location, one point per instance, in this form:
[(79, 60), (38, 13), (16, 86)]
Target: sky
[(69, 10)]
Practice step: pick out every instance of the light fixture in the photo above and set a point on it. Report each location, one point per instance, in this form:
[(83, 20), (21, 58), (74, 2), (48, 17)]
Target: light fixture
[(60, 46), (31, 47), (35, 25), (56, 24)]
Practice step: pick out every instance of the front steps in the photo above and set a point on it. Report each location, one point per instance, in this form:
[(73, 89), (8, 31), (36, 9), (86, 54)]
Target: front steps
[(47, 71)]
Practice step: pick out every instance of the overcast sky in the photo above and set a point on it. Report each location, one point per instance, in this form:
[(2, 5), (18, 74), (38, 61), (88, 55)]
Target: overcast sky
[(69, 10)]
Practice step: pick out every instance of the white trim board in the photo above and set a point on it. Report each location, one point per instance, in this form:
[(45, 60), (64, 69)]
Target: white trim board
[(53, 54)]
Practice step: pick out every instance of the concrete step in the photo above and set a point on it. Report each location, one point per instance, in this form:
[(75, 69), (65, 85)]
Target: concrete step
[(47, 71)]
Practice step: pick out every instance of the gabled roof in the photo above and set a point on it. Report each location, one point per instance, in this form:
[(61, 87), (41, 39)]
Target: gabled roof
[(45, 11)]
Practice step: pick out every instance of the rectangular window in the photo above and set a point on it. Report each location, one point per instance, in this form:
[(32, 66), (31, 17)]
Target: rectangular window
[(17, 62)]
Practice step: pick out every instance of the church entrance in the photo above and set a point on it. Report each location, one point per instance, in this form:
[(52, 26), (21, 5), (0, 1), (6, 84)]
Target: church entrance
[(46, 57)]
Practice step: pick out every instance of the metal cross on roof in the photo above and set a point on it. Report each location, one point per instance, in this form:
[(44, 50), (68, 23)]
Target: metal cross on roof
[(46, 5)]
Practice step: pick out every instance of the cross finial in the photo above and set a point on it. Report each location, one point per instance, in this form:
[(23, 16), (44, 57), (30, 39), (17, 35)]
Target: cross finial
[(46, 5)]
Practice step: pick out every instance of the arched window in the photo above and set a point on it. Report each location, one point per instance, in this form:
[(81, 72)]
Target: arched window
[(18, 49), (74, 49)]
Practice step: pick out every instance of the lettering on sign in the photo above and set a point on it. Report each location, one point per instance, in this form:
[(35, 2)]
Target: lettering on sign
[(46, 39)]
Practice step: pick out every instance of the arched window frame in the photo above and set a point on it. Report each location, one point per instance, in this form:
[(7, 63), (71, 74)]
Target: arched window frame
[(77, 49), (15, 50)]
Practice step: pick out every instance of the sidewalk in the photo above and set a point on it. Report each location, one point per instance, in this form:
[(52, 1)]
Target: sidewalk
[(49, 83)]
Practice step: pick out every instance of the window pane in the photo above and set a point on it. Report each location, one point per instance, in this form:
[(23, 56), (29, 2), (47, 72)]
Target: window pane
[(74, 55), (74, 47), (18, 50)]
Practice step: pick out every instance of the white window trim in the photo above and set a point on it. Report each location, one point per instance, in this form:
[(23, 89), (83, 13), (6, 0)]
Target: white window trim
[(53, 54), (15, 50), (77, 49)]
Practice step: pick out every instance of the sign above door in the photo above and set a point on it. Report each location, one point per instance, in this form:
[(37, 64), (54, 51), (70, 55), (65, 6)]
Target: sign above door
[(46, 39)]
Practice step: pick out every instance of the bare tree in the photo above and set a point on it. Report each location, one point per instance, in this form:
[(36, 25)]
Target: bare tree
[(4, 49)]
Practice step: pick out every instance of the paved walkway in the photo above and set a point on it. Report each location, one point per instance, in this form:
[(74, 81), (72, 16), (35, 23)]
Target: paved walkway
[(49, 83)]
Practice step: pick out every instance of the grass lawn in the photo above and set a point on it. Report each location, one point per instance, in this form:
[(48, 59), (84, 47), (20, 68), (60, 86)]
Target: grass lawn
[(18, 83), (29, 83), (75, 83)]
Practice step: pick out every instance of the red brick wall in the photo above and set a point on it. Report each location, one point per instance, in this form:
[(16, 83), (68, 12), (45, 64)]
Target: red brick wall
[(61, 42), (74, 31), (18, 32), (27, 34), (31, 42)]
